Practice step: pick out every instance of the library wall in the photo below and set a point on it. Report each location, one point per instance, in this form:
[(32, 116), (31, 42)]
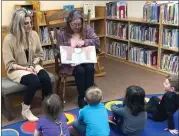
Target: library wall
[(134, 7), (8, 7)]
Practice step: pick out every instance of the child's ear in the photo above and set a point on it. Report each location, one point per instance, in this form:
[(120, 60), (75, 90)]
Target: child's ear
[(85, 99), (172, 89), (102, 98)]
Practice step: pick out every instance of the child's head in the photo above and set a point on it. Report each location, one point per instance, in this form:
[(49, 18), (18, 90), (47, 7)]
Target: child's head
[(171, 83), (135, 99), (52, 106), (93, 96)]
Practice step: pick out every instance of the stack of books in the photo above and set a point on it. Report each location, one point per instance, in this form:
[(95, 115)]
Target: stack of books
[(118, 49), (170, 38), (48, 54), (151, 12), (144, 33), (169, 63), (116, 9), (143, 56), (171, 13), (117, 29)]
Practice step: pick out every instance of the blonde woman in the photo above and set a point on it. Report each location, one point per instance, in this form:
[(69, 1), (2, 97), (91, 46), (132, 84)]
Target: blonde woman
[(22, 53)]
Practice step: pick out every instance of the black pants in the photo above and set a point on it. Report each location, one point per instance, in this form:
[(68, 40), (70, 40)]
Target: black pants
[(151, 108), (34, 83), (84, 77)]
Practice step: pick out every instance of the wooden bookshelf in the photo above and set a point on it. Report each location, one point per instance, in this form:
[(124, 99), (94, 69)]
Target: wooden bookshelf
[(170, 49), (116, 38), (144, 43), (168, 24), (159, 47)]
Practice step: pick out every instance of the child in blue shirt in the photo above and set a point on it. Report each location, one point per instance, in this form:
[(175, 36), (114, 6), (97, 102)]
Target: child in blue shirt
[(93, 118)]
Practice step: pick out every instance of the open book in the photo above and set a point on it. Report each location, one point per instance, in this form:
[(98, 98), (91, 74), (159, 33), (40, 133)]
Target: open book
[(70, 55)]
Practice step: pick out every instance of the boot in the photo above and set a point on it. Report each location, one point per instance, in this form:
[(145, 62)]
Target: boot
[(81, 102), (27, 114)]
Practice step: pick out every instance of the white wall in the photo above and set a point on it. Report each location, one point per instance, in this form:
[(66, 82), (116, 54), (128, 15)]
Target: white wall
[(8, 7)]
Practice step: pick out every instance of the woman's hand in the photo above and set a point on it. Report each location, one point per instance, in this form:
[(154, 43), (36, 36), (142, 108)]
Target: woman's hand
[(172, 131), (73, 65), (80, 43), (32, 70)]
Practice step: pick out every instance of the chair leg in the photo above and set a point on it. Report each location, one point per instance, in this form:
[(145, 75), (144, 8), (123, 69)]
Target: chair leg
[(64, 89), (8, 107), (58, 82)]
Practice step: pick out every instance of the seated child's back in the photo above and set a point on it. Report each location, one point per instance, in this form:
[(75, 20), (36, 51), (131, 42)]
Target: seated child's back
[(131, 118), (96, 119), (54, 123), (93, 118)]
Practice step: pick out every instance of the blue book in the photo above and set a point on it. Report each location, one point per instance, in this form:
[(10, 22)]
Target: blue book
[(69, 7)]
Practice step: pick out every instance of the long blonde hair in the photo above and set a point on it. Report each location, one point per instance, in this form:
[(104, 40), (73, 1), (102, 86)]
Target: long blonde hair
[(17, 25)]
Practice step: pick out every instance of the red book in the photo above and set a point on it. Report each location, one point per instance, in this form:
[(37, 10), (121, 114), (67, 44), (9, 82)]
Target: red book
[(122, 12)]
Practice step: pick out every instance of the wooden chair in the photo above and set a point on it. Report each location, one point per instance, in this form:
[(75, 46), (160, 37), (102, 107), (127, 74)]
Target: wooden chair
[(55, 21)]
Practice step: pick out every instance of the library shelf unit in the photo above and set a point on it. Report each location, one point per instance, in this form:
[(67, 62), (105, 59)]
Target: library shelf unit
[(154, 46)]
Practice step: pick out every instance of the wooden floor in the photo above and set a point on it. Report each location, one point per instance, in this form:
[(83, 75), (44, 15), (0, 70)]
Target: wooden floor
[(119, 76)]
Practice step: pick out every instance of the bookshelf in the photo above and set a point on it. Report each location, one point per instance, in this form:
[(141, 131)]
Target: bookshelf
[(98, 23), (114, 40)]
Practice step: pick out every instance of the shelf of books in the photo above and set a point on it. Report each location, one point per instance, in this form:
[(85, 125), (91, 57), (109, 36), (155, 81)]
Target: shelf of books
[(150, 42)]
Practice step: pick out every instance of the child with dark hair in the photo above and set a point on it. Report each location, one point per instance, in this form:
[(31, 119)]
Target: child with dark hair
[(164, 109), (130, 118), (93, 118), (55, 122)]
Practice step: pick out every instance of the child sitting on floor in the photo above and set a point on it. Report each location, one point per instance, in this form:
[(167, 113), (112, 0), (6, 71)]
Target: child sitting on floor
[(93, 118), (164, 109), (54, 123), (131, 117)]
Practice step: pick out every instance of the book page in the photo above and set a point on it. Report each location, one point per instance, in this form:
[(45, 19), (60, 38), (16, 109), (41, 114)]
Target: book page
[(70, 55)]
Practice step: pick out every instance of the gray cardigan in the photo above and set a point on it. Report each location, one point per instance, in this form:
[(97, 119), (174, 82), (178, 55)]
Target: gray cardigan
[(132, 125)]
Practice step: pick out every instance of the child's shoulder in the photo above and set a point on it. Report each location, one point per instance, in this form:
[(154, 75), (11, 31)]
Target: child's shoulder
[(169, 94), (43, 119)]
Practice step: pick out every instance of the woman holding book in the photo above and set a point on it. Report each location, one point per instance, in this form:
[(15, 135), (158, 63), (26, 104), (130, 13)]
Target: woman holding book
[(22, 53), (77, 34)]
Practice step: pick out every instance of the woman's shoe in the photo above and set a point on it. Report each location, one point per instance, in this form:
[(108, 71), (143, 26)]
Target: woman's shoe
[(27, 114), (81, 102)]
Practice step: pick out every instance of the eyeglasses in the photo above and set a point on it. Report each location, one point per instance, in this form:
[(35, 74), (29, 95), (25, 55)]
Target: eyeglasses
[(27, 23), (75, 25)]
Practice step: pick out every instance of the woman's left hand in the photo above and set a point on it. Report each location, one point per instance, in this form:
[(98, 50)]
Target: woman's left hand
[(80, 43)]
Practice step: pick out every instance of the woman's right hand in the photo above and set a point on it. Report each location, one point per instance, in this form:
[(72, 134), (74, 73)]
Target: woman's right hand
[(32, 70)]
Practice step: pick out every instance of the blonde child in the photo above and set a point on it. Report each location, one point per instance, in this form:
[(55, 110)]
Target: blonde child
[(93, 118)]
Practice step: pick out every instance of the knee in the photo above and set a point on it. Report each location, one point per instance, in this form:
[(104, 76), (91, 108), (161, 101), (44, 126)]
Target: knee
[(79, 70), (34, 82), (43, 76), (89, 67), (75, 124)]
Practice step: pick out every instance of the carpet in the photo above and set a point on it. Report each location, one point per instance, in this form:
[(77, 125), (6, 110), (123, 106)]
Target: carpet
[(25, 128)]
